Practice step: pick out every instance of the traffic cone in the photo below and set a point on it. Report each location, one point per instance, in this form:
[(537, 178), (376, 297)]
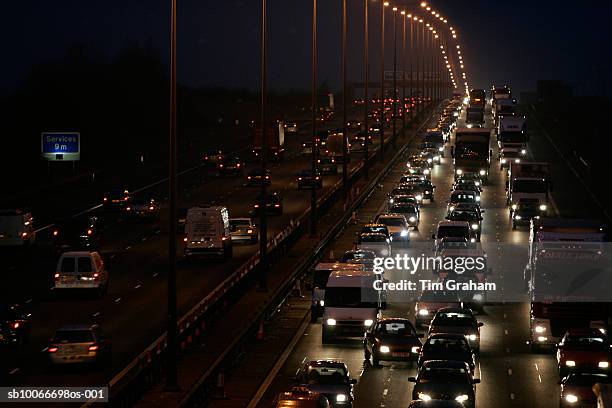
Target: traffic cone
[(260, 331)]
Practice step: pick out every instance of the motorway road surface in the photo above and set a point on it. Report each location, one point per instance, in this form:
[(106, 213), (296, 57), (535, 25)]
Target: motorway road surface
[(134, 311), (512, 376)]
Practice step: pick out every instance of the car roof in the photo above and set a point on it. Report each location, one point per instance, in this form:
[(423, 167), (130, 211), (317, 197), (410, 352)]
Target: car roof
[(446, 363), (390, 215), (76, 327), (77, 253), (584, 332), (325, 363), (446, 336), (455, 310), (448, 223), (240, 219)]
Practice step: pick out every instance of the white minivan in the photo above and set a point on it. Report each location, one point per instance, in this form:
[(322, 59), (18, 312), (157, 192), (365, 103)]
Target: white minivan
[(352, 304), (81, 270), (207, 231)]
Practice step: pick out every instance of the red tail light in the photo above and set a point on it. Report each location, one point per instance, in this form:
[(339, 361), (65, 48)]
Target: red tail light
[(55, 233), (89, 231), (16, 325), (185, 239), (277, 205), (52, 349), (105, 199), (96, 275), (125, 198), (56, 276), (93, 347)]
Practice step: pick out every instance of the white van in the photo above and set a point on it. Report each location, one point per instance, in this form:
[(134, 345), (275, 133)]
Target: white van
[(81, 270), (351, 304), (320, 276), (207, 231), (16, 228)]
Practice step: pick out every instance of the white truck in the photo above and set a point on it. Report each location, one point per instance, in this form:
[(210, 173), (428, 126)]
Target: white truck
[(352, 304), (16, 228), (334, 146), (511, 133), (567, 278), (207, 232), (529, 183), (320, 276)]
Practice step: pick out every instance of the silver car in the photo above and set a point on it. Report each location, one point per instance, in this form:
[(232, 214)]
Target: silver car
[(243, 230), (79, 344)]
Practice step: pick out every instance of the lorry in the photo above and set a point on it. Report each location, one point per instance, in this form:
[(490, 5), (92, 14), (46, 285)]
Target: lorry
[(498, 93), (335, 145), (471, 153), (474, 116), (320, 275), (207, 232), (478, 98), (275, 137), (503, 108), (567, 278), (511, 132), (16, 228), (528, 183)]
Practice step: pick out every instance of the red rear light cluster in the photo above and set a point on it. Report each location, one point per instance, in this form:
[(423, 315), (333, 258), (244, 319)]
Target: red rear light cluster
[(93, 347), (16, 325), (52, 349), (57, 276)]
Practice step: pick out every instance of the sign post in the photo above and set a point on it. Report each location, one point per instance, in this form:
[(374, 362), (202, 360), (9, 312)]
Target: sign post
[(61, 146)]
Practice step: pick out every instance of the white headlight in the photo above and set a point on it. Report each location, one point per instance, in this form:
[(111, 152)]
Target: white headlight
[(472, 337), (570, 363), (384, 349), (482, 172), (437, 158), (423, 312), (477, 183), (451, 208), (470, 125), (384, 252), (514, 206), (472, 240), (415, 349), (461, 398), (321, 303), (404, 233), (602, 330), (341, 398), (474, 227), (477, 198), (517, 217), (412, 219), (571, 398), (542, 339), (603, 364), (459, 171), (543, 207), (440, 149), (517, 160), (368, 322), (391, 201), (331, 322), (523, 151), (426, 171), (423, 397), (419, 197), (540, 329), (429, 160), (503, 161)]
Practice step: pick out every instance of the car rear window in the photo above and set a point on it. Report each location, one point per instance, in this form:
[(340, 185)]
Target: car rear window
[(67, 264), (73, 336), (84, 264)]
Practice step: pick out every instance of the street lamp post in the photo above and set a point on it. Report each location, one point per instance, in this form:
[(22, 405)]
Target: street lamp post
[(171, 371), (313, 191), (263, 216), (344, 103), (403, 72), (383, 120), (411, 68), (365, 86), (394, 112)]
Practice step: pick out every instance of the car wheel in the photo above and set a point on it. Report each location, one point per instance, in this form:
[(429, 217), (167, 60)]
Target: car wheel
[(375, 360), (366, 354), (513, 225)]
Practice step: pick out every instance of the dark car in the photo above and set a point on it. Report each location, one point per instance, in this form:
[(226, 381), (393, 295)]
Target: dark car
[(408, 210), (143, 209), (116, 200), (470, 215), (375, 242), (428, 189), (231, 166), (435, 404), (330, 378), (584, 350), (447, 346), (359, 256), (391, 339), (212, 157), (374, 229), (461, 196), (577, 389), (526, 210), (458, 321), (255, 177), (327, 165), (430, 301), (306, 179), (273, 204), (14, 325), (463, 183), (445, 380), (81, 232)]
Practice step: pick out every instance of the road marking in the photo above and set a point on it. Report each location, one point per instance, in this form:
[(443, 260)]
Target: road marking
[(118, 300), (511, 395), (127, 248), (506, 332), (385, 391), (509, 371), (507, 350), (96, 314), (155, 274), (137, 286), (13, 371)]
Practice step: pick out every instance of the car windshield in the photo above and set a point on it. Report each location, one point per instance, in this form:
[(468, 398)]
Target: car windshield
[(453, 319), (510, 153), (67, 264), (372, 238), (452, 231), (316, 375), (84, 264), (392, 222), (381, 229), (397, 328), (587, 342), (405, 207), (587, 380), (459, 215), (73, 336), (443, 376), (462, 198), (352, 256), (529, 186), (240, 223), (351, 297), (445, 344)]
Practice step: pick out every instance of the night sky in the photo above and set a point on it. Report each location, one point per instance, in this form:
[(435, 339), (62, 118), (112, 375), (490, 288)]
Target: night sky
[(514, 42)]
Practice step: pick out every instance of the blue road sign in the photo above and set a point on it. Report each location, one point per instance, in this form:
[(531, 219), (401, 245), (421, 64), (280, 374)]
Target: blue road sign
[(61, 146)]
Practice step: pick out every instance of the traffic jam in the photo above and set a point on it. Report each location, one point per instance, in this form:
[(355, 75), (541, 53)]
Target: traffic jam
[(439, 334)]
